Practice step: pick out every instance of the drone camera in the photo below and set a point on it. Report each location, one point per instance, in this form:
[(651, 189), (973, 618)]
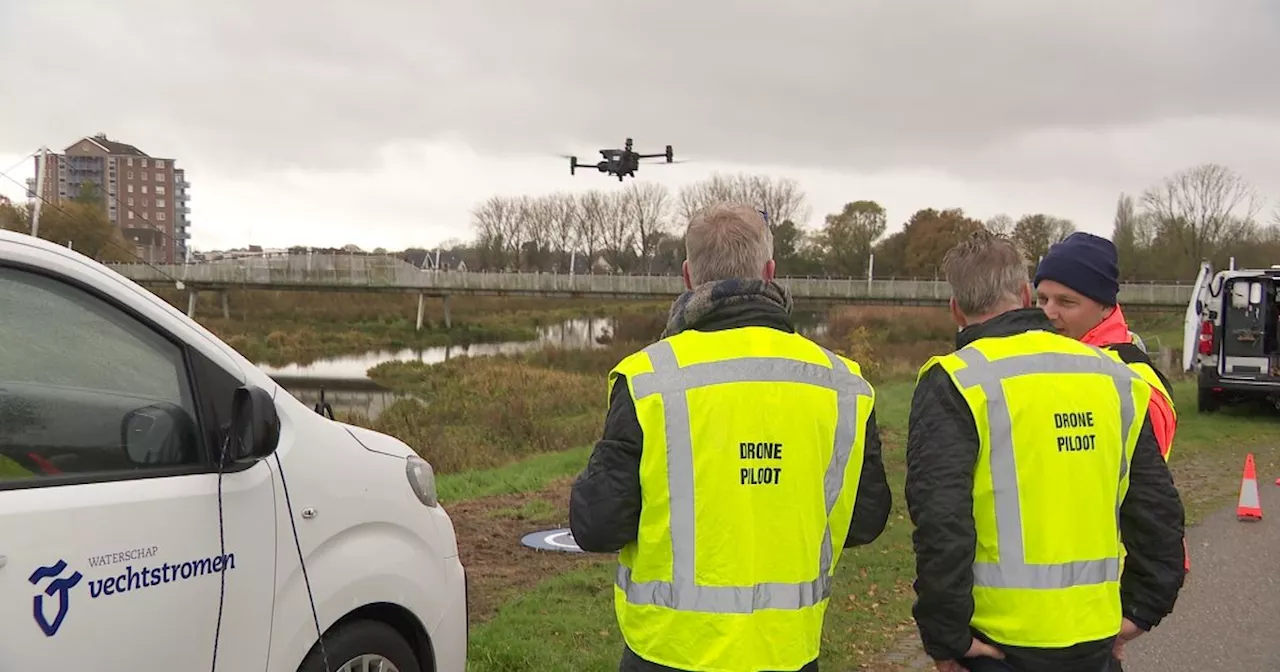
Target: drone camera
[(670, 154)]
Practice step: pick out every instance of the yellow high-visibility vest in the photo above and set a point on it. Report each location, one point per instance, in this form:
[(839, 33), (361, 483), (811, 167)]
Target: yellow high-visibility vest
[(1148, 373), (1058, 422), (753, 449)]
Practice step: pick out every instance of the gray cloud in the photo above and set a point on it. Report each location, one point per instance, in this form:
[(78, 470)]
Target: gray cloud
[(850, 85)]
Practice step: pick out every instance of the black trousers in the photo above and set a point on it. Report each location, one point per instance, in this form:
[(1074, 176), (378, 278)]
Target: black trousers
[(633, 663), (984, 664)]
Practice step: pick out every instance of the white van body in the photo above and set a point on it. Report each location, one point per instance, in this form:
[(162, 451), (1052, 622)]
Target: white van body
[(1232, 336), (107, 568)]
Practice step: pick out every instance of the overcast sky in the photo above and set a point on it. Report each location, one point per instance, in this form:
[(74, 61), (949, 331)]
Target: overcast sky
[(382, 123)]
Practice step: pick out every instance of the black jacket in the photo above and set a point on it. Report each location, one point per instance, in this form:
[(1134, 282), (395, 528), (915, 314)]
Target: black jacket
[(604, 504), (942, 450)]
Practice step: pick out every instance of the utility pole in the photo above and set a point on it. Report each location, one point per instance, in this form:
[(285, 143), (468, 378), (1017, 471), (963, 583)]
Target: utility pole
[(35, 212)]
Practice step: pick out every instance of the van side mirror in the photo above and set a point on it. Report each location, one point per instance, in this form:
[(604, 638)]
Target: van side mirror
[(255, 426), (161, 434)]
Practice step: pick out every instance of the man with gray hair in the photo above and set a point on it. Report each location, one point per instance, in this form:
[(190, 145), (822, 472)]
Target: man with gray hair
[(738, 459), (1032, 470)]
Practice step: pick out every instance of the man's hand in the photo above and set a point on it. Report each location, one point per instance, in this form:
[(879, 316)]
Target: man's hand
[(977, 649), (1128, 633)]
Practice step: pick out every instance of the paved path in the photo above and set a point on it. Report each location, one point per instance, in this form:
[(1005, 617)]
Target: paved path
[(1228, 614)]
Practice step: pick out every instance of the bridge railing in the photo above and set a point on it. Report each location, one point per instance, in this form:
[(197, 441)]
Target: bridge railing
[(385, 273)]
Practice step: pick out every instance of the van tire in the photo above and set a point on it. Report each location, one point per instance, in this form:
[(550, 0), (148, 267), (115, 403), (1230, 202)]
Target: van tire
[(1207, 401), (360, 638)]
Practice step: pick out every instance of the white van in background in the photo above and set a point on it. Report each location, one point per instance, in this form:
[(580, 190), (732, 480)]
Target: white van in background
[(126, 543), (1232, 338)]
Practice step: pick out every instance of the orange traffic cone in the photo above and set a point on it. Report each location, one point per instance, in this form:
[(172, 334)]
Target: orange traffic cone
[(1250, 507)]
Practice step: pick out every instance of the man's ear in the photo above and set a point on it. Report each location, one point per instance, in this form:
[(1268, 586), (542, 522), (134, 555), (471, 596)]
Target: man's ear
[(1027, 301), (684, 273), (956, 315), (770, 268)]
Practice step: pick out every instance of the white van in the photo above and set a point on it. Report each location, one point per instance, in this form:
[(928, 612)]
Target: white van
[(1232, 328), (124, 545)]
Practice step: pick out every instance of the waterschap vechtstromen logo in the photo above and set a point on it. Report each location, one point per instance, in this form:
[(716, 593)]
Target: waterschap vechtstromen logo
[(59, 588)]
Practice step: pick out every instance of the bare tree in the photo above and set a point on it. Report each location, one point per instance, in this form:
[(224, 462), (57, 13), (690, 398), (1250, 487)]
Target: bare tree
[(564, 226), (537, 214), (593, 214), (647, 205), (619, 235), (1037, 233), (1000, 224), (1202, 208), (781, 199), (497, 223)]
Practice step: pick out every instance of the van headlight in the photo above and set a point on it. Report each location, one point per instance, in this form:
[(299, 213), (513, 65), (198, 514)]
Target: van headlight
[(422, 478)]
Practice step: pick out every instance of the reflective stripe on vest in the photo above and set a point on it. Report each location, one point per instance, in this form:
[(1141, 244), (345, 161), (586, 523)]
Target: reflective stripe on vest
[(672, 381), (1012, 571), (1148, 373)]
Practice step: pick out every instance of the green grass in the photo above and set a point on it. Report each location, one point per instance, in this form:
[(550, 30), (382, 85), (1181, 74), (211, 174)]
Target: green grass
[(567, 623), (527, 475)]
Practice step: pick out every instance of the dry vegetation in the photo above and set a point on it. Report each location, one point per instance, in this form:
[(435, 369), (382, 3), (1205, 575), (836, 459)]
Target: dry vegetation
[(279, 327), (473, 413)]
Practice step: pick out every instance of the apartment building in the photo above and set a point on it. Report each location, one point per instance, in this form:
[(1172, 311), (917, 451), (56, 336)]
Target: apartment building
[(147, 197)]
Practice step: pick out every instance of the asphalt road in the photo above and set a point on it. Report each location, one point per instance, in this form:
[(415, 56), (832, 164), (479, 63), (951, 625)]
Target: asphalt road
[(1228, 614)]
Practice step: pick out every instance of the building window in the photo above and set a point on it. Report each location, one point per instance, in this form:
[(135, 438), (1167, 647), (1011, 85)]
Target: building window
[(144, 188), (144, 163), (159, 177), (145, 175), (129, 162), (131, 200), (130, 214), (131, 174), (159, 216), (131, 188), (160, 203), (159, 163), (159, 190)]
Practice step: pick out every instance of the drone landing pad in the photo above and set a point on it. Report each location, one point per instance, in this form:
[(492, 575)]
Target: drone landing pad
[(552, 540)]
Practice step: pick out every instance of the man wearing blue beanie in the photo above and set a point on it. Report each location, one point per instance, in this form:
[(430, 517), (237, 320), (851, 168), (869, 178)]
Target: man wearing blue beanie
[(1076, 286), (1080, 277)]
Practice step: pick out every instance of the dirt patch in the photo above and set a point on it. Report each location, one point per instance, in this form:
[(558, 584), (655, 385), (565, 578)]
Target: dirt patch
[(498, 566)]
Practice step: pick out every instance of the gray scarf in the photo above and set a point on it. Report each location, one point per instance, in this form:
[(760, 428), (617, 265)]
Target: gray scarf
[(693, 305)]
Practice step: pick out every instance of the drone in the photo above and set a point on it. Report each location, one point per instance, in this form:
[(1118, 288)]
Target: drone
[(620, 162)]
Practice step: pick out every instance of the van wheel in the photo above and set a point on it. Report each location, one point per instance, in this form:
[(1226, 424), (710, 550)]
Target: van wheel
[(1207, 401), (362, 646)]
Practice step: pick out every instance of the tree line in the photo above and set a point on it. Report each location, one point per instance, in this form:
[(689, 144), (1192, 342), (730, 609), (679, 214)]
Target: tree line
[(81, 222), (1203, 212)]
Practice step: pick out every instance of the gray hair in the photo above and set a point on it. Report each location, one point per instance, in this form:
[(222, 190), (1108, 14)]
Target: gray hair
[(726, 241), (985, 271)]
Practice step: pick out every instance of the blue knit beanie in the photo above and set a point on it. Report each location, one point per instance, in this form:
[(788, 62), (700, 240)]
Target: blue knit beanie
[(1086, 263)]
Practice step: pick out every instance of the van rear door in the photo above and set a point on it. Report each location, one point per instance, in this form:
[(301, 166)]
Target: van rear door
[(1197, 310), (1248, 332)]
